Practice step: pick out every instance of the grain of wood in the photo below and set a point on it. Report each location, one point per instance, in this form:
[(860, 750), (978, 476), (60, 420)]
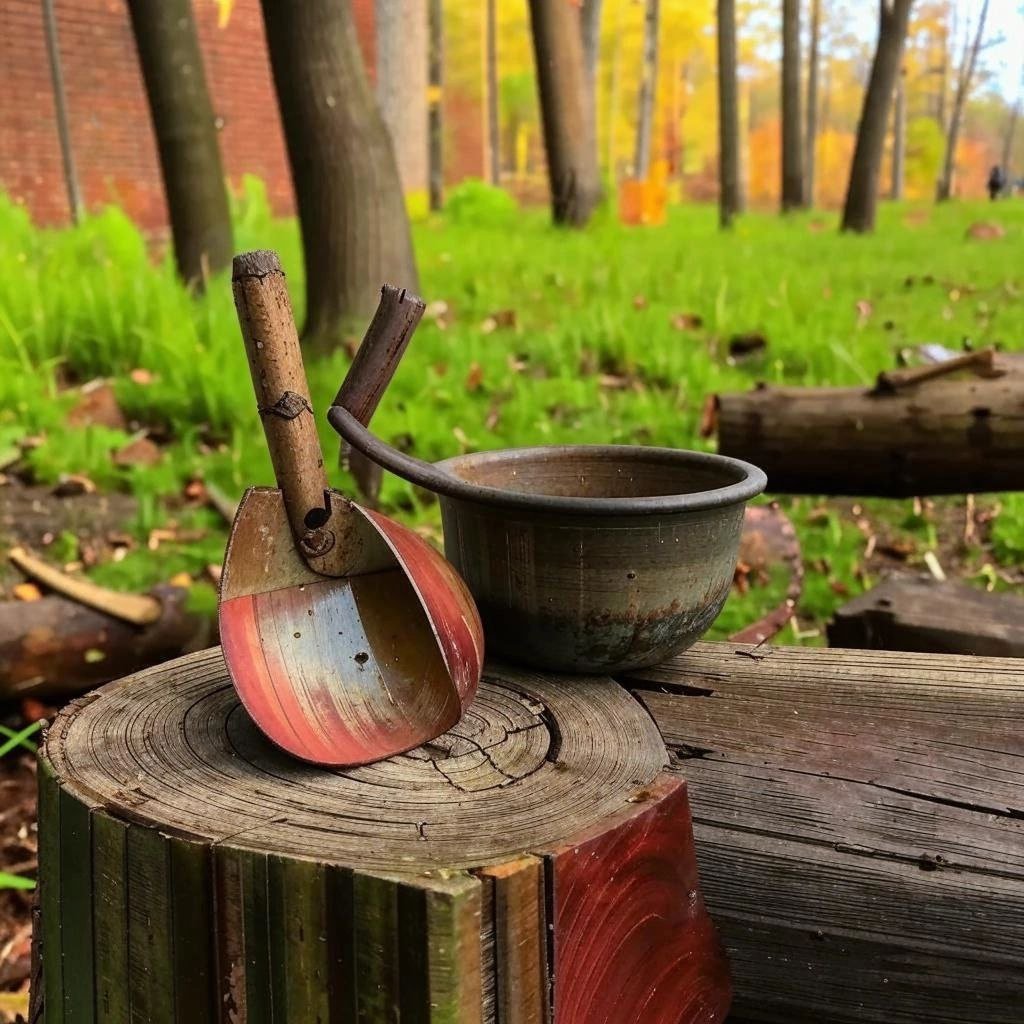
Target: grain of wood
[(860, 827)]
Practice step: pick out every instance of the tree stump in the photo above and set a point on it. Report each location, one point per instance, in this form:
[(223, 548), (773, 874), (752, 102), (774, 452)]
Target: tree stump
[(535, 859)]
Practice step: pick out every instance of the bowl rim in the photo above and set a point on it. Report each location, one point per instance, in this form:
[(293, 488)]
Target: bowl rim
[(752, 481)]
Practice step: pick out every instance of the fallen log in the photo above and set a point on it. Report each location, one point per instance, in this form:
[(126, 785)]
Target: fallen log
[(860, 827), (923, 614), (911, 434), (537, 859)]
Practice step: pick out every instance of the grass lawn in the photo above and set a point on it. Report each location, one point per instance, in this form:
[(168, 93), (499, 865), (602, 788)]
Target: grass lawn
[(616, 335)]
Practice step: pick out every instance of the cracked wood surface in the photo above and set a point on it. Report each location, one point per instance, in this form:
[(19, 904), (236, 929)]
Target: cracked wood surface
[(860, 827)]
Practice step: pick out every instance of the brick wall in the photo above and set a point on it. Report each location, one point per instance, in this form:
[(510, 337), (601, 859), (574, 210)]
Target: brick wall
[(111, 133)]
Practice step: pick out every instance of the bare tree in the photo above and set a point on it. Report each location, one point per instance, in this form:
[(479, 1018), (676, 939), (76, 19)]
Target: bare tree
[(862, 191), (60, 107), (792, 143), (811, 122), (186, 136), (402, 52), (355, 232), (492, 119), (729, 200), (962, 89), (590, 29), (561, 83), (648, 91), (435, 115), (899, 136)]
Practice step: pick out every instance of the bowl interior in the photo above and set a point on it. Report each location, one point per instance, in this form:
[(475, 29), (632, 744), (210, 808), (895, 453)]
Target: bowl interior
[(594, 472)]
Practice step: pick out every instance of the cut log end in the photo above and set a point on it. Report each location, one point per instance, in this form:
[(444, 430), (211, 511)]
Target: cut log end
[(258, 263)]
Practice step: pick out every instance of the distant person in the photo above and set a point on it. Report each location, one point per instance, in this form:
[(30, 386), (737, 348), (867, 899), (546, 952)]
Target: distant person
[(996, 182)]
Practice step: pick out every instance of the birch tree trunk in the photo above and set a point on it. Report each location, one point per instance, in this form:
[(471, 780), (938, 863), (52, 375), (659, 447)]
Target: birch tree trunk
[(590, 29), (964, 81), (648, 91), (862, 191), (402, 54), (561, 84), (811, 123), (186, 136), (355, 232), (435, 95), (492, 123), (728, 116), (792, 144)]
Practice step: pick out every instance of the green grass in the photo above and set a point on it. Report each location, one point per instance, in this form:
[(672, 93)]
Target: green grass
[(594, 355)]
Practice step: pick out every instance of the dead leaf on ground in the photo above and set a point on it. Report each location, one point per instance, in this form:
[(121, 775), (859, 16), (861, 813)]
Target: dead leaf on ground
[(97, 407), (195, 491), (27, 592), (687, 321), (639, 301), (439, 312), (141, 376), (502, 319), (985, 231), (213, 570), (864, 310), (140, 452), (748, 344), (475, 377), (709, 417), (71, 485), (181, 579)]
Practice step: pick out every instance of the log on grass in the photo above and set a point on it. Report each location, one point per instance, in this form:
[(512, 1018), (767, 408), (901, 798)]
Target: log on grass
[(859, 819), (538, 854), (923, 614), (937, 436)]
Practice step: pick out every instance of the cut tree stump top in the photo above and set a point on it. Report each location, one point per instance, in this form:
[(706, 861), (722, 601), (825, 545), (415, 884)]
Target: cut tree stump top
[(448, 804)]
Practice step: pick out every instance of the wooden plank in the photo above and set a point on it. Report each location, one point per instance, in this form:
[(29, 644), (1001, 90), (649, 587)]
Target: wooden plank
[(515, 891), (150, 959), (49, 892), (110, 917), (191, 939), (909, 613), (860, 827)]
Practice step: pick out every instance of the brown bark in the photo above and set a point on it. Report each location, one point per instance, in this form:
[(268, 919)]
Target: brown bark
[(648, 91), (792, 141), (729, 200), (355, 231), (811, 115), (940, 436), (590, 29), (964, 81), (862, 190), (186, 136), (561, 82), (899, 136), (402, 52), (435, 116)]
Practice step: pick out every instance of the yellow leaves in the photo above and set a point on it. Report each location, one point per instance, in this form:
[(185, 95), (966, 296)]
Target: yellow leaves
[(224, 9)]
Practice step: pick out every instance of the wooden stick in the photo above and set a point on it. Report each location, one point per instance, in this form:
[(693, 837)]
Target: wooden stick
[(138, 609), (982, 362)]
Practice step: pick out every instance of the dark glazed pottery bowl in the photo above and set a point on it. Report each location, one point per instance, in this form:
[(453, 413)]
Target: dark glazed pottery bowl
[(595, 558)]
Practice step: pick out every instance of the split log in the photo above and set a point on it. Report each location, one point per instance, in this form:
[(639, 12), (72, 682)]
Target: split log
[(860, 827), (905, 437), (538, 854), (922, 614)]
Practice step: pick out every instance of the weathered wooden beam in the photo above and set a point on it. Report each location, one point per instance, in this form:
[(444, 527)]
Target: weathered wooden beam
[(932, 436), (536, 858), (860, 827), (908, 613)]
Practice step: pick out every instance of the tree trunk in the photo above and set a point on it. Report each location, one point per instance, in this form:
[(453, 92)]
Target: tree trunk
[(964, 81), (811, 115), (1011, 131), (648, 92), (941, 436), (792, 143), (355, 232), (402, 52), (537, 861), (186, 136), (561, 84), (492, 97), (899, 136), (60, 109), (435, 117), (862, 190), (728, 115), (590, 28)]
